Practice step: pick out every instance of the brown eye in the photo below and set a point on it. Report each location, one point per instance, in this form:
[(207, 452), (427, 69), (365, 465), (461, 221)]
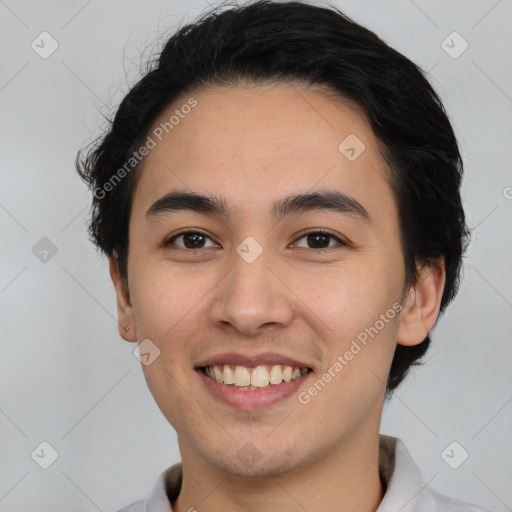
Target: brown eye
[(190, 240), (320, 240)]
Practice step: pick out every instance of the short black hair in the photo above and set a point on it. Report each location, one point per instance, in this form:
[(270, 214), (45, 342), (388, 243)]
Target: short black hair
[(266, 42)]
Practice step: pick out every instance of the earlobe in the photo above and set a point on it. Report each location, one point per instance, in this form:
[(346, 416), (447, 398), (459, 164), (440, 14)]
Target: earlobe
[(422, 305), (125, 321)]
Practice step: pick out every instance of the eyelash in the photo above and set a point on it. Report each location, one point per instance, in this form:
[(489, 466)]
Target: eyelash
[(341, 242)]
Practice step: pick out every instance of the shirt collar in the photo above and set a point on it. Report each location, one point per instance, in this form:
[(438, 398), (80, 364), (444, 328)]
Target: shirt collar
[(405, 488)]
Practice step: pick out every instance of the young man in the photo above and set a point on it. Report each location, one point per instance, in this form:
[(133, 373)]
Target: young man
[(279, 200)]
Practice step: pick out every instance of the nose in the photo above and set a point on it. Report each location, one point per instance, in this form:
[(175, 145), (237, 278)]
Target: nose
[(252, 298)]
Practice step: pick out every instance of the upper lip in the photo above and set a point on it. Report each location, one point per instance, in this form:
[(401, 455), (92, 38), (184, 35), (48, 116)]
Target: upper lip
[(264, 359)]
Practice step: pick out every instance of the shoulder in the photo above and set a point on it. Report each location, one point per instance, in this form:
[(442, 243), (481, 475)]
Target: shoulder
[(137, 506), (165, 491), (447, 504), (406, 488)]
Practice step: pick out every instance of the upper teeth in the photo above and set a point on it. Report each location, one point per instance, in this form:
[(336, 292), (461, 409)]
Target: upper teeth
[(259, 377)]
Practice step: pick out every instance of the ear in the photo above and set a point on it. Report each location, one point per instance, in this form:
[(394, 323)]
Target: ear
[(422, 305), (125, 321)]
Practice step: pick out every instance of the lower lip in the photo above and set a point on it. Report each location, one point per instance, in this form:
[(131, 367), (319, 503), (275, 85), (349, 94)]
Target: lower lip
[(252, 399)]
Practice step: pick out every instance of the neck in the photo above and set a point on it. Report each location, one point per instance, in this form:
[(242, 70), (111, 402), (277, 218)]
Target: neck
[(347, 478)]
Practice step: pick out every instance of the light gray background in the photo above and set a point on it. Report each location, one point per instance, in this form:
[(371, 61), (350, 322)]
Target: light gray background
[(68, 379)]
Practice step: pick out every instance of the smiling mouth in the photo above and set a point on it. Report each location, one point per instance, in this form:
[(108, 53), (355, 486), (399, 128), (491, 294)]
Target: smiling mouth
[(258, 377)]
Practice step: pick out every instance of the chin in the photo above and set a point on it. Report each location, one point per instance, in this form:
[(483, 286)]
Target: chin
[(263, 465)]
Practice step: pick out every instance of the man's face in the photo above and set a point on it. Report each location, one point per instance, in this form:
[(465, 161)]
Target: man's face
[(253, 282)]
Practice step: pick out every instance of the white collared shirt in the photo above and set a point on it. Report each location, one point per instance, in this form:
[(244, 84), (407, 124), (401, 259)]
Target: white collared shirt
[(406, 491)]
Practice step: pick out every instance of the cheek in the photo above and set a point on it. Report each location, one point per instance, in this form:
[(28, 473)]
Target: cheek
[(166, 304), (358, 358), (163, 297), (358, 310), (348, 298)]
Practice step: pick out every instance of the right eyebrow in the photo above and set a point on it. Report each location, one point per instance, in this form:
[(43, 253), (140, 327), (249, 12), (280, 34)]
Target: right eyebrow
[(180, 200)]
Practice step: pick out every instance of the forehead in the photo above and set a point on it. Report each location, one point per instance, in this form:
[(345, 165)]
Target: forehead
[(253, 145)]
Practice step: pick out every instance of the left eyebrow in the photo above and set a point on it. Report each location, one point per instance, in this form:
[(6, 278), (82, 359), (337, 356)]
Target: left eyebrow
[(330, 200)]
